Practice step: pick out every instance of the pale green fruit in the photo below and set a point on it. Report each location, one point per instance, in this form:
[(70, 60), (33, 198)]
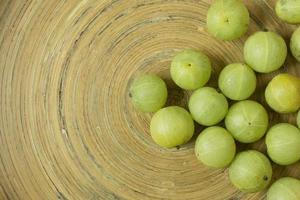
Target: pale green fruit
[(288, 10), (283, 93), (265, 51), (247, 121), (298, 119), (286, 188), (171, 126), (250, 171), (215, 147), (237, 81), (283, 143), (148, 93), (207, 106), (295, 44), (227, 19), (190, 69)]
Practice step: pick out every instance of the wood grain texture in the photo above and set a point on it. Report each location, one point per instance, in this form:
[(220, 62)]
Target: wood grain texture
[(67, 127)]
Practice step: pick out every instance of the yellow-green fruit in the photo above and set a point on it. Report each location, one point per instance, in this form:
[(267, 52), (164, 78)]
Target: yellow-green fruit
[(286, 188), (148, 93), (295, 44), (190, 69), (265, 52), (171, 126), (215, 147), (251, 171), (207, 106), (283, 93), (227, 19), (283, 143), (288, 11), (237, 81), (247, 121)]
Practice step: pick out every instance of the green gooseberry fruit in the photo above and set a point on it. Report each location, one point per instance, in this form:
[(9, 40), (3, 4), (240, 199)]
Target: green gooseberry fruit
[(250, 171), (295, 43), (283, 93), (190, 69), (237, 81), (247, 121), (171, 126), (286, 188), (227, 19), (265, 51), (215, 147), (288, 10), (148, 93), (207, 106), (283, 144)]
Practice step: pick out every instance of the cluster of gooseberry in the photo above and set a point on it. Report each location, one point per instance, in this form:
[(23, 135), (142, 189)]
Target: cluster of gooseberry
[(246, 121)]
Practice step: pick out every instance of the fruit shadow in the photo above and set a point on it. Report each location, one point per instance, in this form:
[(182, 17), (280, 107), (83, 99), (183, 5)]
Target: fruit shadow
[(176, 95), (264, 18), (280, 171)]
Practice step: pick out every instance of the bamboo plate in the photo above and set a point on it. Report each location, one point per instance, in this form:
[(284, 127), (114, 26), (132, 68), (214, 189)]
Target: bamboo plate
[(67, 127)]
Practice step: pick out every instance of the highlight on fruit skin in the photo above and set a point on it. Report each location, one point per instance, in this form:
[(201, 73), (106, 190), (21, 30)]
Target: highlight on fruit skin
[(227, 19), (288, 10), (286, 188), (283, 143), (215, 147), (171, 126), (265, 52), (207, 106), (250, 171), (295, 44), (148, 93), (247, 121), (190, 69), (283, 93), (237, 81)]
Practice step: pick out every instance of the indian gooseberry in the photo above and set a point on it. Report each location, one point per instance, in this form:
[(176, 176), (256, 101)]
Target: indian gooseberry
[(286, 188), (148, 93), (237, 81), (190, 69), (265, 51), (227, 19), (247, 121), (295, 43), (250, 171), (207, 106), (215, 147), (283, 93), (288, 10), (283, 144), (171, 126)]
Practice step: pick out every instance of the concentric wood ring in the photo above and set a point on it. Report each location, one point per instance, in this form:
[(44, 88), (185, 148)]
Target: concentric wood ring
[(67, 127)]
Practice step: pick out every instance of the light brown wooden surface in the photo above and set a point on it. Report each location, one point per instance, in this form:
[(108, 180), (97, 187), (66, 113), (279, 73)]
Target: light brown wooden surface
[(67, 127)]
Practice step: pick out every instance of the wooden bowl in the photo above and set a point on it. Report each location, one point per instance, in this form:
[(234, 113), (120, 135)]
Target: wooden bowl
[(67, 127)]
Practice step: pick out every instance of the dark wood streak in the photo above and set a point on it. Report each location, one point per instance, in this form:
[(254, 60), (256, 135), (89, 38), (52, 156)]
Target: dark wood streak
[(59, 193), (61, 95), (4, 191), (258, 22), (82, 15)]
